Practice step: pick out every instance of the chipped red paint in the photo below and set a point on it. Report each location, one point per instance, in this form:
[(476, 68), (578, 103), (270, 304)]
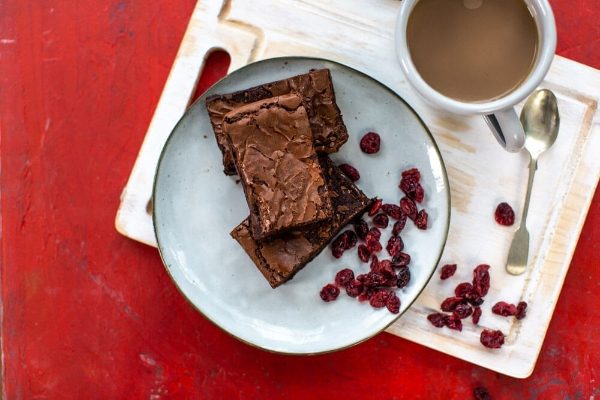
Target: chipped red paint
[(88, 313)]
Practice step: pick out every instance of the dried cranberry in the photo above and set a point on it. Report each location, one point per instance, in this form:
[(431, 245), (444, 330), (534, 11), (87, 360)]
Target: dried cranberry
[(385, 267), (481, 279), (401, 260), (450, 303), (361, 228), (504, 309), (370, 143), (504, 214), (412, 173), (403, 277), (379, 298), (363, 253), (329, 292), (463, 289), (373, 245), (454, 323), (412, 189), (521, 307), (393, 303), (462, 311), (375, 207), (351, 239), (421, 221), (350, 172), (361, 278), (437, 319), (374, 279), (375, 233), (339, 245), (394, 245), (337, 252), (381, 221), (492, 339), (481, 393), (473, 298), (447, 271), (408, 208), (363, 297), (392, 210), (343, 277), (399, 225), (354, 288), (374, 263), (476, 315)]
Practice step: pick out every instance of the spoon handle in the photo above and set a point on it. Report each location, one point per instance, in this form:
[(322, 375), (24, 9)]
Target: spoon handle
[(519, 248)]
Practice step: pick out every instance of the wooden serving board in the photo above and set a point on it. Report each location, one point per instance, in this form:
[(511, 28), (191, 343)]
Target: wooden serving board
[(359, 33)]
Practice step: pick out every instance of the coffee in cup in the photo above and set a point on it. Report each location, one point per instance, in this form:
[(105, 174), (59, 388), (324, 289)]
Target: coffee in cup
[(477, 56)]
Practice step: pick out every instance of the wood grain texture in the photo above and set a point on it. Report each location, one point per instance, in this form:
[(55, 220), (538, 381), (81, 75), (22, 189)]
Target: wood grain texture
[(481, 174), (88, 313)]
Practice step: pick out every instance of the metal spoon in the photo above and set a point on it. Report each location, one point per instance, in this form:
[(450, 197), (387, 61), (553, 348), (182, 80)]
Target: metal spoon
[(540, 121)]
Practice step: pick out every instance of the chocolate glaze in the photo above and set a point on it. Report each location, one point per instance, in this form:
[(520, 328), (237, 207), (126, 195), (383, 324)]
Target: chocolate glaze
[(280, 258), (273, 152), (318, 97)]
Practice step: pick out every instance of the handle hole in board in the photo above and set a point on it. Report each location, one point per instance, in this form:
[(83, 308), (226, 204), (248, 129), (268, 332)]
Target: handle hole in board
[(215, 67)]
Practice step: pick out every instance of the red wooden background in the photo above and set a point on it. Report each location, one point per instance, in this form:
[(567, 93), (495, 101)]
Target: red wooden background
[(89, 314)]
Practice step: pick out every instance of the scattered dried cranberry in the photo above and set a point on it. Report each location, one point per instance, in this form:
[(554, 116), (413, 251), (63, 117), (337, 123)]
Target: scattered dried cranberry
[(476, 315), (462, 311), (481, 393), (363, 297), (373, 245), (408, 208), (375, 232), (354, 288), (491, 339), (381, 221), (370, 143), (504, 214), (339, 245), (379, 298), (399, 225), (393, 303), (375, 207), (343, 277), (412, 189), (521, 307), (337, 251), (351, 239), (450, 303), (363, 253), (401, 260), (437, 319), (361, 228), (504, 309), (447, 271), (374, 279), (463, 289), (403, 277), (392, 210), (454, 323), (421, 221), (394, 245), (481, 279), (412, 173), (350, 172), (329, 292), (374, 264)]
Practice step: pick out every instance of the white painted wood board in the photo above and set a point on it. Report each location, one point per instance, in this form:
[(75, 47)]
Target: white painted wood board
[(359, 33)]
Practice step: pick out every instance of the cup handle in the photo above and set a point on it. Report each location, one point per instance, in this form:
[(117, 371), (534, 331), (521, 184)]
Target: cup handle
[(507, 129)]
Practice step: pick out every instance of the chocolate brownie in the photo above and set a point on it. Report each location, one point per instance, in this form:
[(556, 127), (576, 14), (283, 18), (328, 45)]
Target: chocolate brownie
[(274, 155), (316, 90), (279, 258)]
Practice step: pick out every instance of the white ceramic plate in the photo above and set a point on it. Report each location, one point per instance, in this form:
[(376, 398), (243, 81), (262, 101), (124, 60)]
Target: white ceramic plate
[(196, 206)]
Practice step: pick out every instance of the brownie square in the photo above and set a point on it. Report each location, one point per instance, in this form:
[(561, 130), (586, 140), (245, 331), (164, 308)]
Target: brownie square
[(318, 97), (281, 257), (279, 170)]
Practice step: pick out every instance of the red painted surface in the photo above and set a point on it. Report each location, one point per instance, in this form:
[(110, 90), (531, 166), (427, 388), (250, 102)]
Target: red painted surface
[(90, 314)]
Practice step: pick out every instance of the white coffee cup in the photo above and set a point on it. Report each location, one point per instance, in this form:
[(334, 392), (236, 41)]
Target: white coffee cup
[(499, 113)]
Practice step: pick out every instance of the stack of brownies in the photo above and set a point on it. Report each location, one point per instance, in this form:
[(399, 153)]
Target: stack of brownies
[(276, 137)]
